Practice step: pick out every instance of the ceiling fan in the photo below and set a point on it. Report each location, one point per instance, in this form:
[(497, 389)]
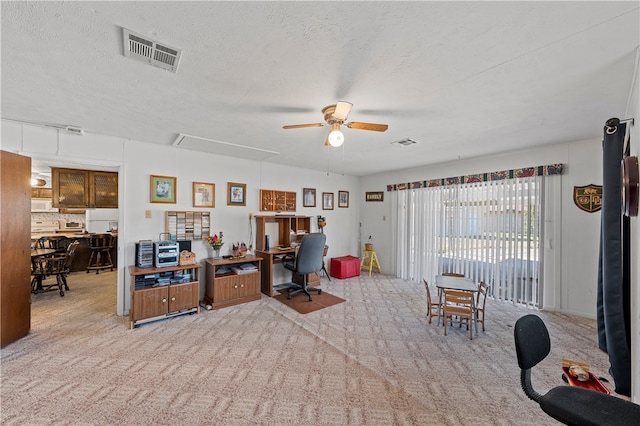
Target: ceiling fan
[(335, 116)]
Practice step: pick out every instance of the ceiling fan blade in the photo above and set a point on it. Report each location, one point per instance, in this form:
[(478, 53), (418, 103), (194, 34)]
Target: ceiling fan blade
[(343, 109), (300, 126), (367, 126)]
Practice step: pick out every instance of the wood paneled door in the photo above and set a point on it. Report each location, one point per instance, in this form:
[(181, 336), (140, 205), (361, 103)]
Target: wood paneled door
[(15, 245)]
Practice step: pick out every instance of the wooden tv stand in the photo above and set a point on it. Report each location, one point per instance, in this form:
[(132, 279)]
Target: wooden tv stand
[(224, 289), (151, 302)]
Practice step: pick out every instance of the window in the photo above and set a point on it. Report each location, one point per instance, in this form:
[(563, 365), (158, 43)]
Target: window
[(490, 231)]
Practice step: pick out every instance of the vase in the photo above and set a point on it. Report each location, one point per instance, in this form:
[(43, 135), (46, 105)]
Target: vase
[(216, 250)]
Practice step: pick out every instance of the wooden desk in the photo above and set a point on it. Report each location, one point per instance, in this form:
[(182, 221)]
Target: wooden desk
[(270, 258)]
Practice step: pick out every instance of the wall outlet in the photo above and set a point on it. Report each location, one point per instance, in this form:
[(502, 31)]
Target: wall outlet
[(250, 216), (147, 214)]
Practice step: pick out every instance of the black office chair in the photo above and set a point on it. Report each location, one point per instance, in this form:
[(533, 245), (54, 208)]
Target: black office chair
[(307, 260), (570, 405)]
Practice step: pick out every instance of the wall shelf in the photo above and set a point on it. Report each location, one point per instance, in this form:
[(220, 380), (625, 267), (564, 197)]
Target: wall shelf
[(188, 225), (277, 201)]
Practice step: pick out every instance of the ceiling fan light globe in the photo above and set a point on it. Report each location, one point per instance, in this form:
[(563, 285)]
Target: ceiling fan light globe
[(336, 138)]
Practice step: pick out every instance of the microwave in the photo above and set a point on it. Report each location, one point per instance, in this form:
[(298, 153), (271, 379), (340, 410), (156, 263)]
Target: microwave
[(43, 205)]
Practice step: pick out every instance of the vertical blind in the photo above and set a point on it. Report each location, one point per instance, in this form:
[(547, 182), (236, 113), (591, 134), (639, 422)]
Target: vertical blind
[(490, 231)]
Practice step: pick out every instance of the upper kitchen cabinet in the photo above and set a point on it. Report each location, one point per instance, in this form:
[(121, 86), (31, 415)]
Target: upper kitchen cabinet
[(41, 193), (103, 190), (74, 188)]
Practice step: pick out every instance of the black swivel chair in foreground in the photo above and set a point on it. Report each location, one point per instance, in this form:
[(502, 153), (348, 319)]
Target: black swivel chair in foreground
[(307, 260), (570, 405)]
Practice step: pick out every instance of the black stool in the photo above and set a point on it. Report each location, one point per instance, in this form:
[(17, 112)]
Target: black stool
[(100, 246)]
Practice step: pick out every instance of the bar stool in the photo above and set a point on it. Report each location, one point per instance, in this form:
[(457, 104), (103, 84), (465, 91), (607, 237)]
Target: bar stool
[(100, 246), (370, 259)]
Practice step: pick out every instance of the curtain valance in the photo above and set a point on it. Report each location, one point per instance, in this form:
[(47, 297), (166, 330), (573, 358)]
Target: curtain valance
[(552, 169)]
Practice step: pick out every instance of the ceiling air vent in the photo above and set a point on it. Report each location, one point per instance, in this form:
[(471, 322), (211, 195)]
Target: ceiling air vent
[(404, 142), (141, 48), (74, 130)]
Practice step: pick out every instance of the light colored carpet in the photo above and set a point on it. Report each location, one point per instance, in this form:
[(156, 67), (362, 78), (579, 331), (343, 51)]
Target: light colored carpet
[(372, 360)]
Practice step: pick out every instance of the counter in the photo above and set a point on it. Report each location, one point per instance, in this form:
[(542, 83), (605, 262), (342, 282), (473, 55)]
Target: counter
[(83, 252)]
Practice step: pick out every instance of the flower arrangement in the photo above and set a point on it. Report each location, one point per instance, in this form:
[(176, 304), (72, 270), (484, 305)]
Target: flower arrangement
[(215, 241)]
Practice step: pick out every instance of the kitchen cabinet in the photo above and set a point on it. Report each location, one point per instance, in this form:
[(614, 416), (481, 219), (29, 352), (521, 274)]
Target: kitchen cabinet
[(76, 188), (41, 193), (151, 301), (226, 287)]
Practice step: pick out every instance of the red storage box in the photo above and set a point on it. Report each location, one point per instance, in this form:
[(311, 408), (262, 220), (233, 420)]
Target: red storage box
[(345, 267)]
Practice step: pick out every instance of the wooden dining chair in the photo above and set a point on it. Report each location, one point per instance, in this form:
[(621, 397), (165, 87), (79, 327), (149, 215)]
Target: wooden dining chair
[(50, 267), (460, 304), (481, 300), (433, 308), (42, 242)]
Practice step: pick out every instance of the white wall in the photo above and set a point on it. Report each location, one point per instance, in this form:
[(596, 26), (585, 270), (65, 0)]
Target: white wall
[(571, 286), (136, 161)]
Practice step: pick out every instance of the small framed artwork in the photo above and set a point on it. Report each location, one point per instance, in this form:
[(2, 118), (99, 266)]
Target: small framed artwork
[(327, 201), (236, 194), (374, 196), (308, 197), (163, 189), (343, 198), (204, 194)]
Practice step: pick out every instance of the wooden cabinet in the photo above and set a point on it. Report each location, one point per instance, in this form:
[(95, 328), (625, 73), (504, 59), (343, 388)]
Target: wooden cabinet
[(75, 188), (291, 229), (41, 192), (103, 190), (277, 201), (225, 287), (151, 301)]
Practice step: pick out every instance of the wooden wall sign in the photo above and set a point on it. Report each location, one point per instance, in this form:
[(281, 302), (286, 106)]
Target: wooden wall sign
[(374, 196)]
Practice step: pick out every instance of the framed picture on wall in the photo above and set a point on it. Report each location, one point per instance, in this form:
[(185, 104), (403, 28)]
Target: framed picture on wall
[(163, 189), (327, 201), (236, 194), (204, 194), (343, 198), (308, 197)]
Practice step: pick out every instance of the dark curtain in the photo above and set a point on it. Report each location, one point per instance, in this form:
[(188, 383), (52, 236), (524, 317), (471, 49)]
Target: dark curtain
[(614, 308)]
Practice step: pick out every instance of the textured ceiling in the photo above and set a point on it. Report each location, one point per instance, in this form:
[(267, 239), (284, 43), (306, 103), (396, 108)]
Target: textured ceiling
[(464, 79)]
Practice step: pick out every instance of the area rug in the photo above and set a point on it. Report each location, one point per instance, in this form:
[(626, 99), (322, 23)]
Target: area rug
[(300, 302)]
